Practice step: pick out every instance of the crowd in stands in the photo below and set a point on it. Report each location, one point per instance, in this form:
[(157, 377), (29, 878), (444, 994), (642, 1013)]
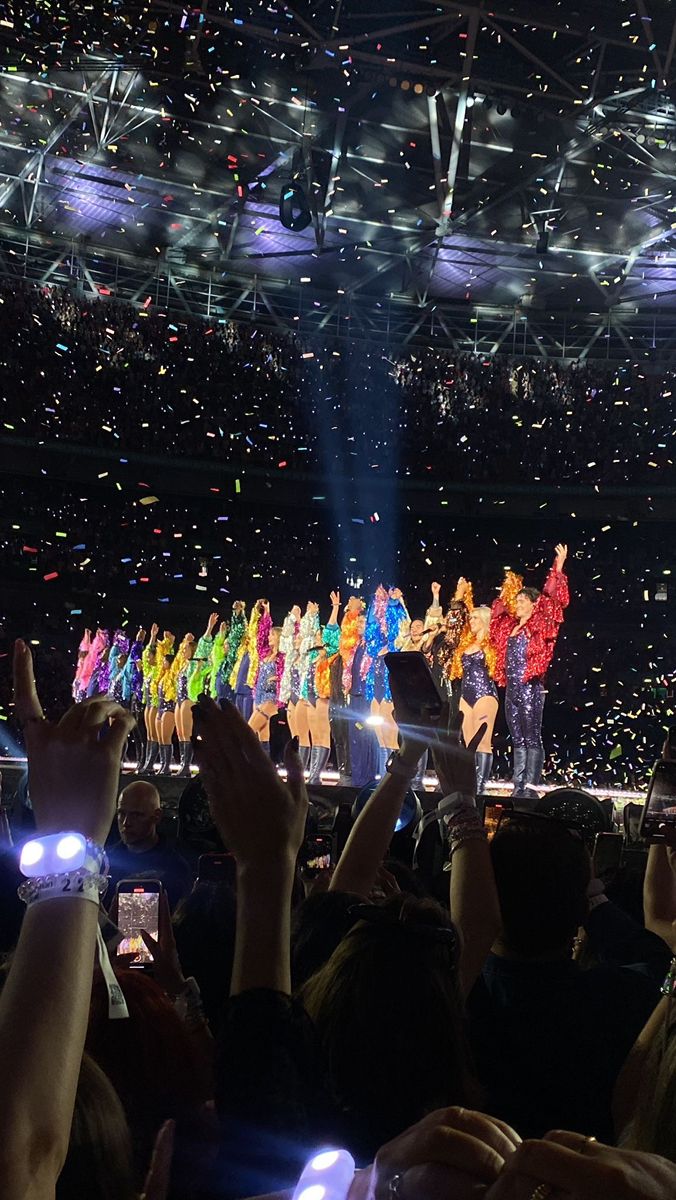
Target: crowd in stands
[(102, 373), (488, 1021)]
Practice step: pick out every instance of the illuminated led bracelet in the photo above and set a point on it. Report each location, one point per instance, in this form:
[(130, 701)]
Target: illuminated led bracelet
[(69, 864), (327, 1176), (62, 864)]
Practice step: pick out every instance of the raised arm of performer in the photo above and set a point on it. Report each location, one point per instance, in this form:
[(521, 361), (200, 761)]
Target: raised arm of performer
[(318, 691), (386, 616), (474, 665), (270, 664), (192, 681), (148, 665), (524, 628)]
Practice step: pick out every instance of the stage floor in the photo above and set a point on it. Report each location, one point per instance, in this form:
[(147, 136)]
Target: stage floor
[(15, 768)]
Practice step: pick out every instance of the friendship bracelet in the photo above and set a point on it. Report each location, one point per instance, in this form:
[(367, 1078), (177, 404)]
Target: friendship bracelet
[(78, 884), (669, 986)]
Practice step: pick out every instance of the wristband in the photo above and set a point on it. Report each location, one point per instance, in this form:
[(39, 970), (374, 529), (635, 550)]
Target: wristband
[(60, 854), (51, 887), (327, 1176), (397, 766), (669, 986)]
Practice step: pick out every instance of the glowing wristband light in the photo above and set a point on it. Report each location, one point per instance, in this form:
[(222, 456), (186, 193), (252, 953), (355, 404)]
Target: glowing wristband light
[(60, 854), (327, 1176)]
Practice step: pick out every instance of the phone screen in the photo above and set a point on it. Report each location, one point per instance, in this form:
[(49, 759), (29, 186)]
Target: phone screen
[(317, 854), (136, 910), (412, 674), (492, 814), (217, 868), (607, 852), (659, 812)]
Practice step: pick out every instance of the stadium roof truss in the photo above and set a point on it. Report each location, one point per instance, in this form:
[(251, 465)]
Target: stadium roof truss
[(495, 179)]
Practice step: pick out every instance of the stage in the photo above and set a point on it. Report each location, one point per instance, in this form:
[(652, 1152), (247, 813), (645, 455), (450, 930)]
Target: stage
[(172, 786)]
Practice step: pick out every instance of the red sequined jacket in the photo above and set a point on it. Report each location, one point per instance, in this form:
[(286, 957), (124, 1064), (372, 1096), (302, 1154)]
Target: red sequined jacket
[(541, 628)]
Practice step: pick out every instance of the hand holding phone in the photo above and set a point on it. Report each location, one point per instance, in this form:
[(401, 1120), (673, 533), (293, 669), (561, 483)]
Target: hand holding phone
[(658, 823), (138, 907)]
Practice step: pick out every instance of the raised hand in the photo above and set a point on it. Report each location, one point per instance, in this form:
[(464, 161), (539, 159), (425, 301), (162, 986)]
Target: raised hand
[(436, 590), (167, 968), (213, 617), (451, 1152), (260, 818), (572, 1165), (335, 599), (140, 635), (312, 608), (73, 764), (561, 555), (455, 763)]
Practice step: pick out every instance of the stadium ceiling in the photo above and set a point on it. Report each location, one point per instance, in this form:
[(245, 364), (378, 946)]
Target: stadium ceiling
[(455, 159)]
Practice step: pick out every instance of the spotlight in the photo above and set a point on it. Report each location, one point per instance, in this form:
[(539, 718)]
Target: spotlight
[(294, 211), (410, 814)]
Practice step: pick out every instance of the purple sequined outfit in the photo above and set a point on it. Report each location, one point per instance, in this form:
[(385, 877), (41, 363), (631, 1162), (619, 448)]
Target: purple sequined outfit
[(524, 702), (476, 682), (265, 691), (182, 688)]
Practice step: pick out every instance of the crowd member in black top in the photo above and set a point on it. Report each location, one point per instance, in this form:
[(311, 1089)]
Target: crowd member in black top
[(142, 852), (549, 1039)]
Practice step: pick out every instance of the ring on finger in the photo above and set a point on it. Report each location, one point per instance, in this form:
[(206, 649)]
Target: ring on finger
[(587, 1143)]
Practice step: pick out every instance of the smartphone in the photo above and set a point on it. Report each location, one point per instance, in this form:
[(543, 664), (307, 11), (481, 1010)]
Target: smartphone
[(410, 672), (659, 810), (217, 868), (317, 854), (608, 849), (492, 816), (138, 907)]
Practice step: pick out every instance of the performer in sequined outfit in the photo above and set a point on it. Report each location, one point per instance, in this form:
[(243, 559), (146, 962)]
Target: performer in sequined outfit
[(524, 628), (442, 639), (386, 619), (316, 690), (266, 684), (474, 664)]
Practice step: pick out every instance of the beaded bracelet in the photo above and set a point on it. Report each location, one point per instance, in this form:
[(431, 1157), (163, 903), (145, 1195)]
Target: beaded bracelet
[(71, 883), (669, 986)]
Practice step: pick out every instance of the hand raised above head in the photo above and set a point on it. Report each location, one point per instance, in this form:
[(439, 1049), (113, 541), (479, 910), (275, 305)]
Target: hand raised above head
[(261, 818), (73, 764)]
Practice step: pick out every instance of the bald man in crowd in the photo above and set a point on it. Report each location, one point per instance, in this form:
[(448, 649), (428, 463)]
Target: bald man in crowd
[(142, 852)]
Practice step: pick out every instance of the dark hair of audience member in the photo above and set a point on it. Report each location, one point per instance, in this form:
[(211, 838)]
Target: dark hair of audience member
[(150, 1059), (542, 872), (388, 1022), (204, 929), (318, 926), (653, 1129), (12, 908), (99, 1159)]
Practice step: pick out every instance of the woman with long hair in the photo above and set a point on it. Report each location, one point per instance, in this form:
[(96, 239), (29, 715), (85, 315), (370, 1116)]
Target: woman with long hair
[(316, 690), (524, 627), (387, 616), (474, 664), (269, 664), (192, 668), (387, 1014)]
